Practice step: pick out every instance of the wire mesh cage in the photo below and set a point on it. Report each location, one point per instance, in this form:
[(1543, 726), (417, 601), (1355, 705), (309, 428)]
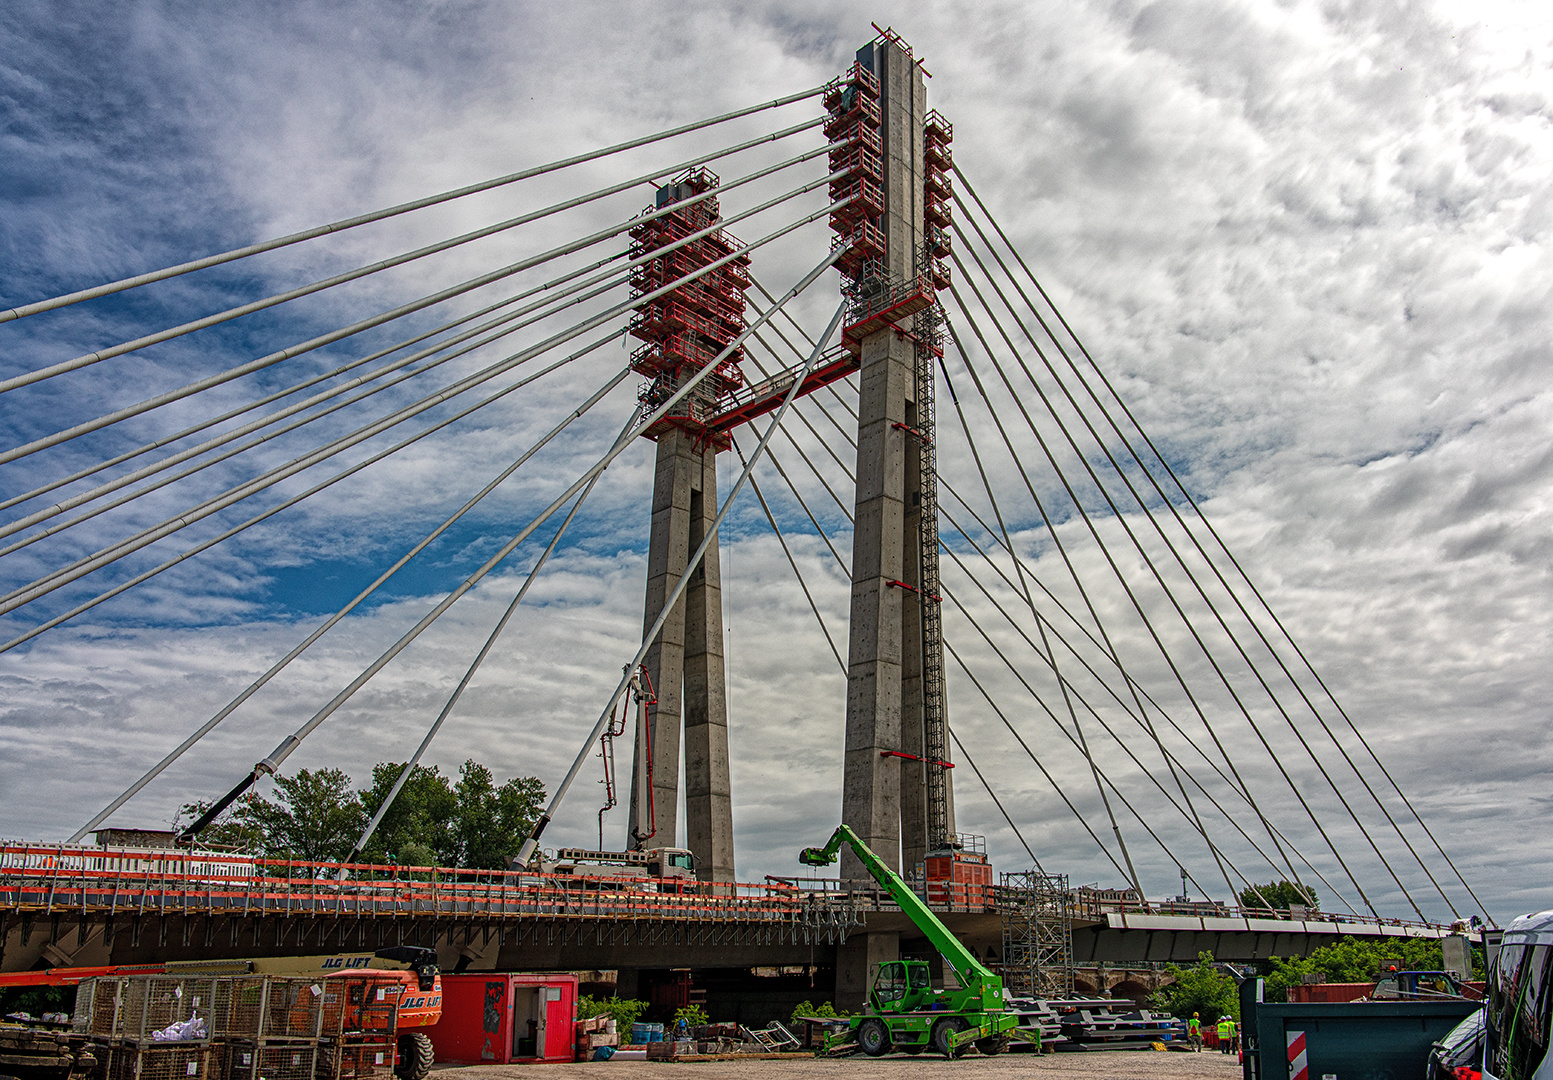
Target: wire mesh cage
[(159, 1061), (134, 1007), (360, 1005), (272, 1061), (269, 1007), (357, 1059)]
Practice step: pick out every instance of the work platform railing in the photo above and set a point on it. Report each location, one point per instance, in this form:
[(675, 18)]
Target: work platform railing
[(50, 880)]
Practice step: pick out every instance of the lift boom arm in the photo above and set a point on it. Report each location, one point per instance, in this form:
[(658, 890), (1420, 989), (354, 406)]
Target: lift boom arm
[(971, 972)]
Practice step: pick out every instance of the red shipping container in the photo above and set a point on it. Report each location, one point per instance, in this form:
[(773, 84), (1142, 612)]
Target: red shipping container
[(496, 1018)]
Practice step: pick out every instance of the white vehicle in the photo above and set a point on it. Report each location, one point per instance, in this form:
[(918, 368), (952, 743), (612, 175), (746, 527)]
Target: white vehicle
[(665, 869), (1520, 1001)]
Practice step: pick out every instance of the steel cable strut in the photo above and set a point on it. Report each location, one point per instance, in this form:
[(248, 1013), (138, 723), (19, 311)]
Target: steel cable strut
[(205, 545), (86, 565), (1148, 560), (277, 757), (1037, 697), (842, 664), (392, 211), (446, 326), (1224, 547), (275, 669), (1147, 727)]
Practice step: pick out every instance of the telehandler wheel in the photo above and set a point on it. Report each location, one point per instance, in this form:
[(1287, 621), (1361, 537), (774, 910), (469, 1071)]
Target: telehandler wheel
[(415, 1056), (946, 1027), (994, 1044), (873, 1037)]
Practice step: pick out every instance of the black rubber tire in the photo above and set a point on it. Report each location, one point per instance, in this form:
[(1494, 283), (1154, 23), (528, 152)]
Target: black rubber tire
[(993, 1045), (941, 1032), (415, 1056), (874, 1037)]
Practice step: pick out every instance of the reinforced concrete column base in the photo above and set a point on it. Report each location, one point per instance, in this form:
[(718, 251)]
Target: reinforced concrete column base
[(856, 962)]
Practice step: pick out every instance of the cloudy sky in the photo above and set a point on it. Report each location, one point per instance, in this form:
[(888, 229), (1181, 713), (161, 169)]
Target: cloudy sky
[(1307, 243)]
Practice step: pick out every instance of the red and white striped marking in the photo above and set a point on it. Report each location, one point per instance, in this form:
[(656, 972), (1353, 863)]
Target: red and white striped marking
[(1299, 1069)]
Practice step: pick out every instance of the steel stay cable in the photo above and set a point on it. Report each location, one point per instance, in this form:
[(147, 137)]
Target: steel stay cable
[(1088, 707), (1148, 560), (1193, 818), (1116, 570), (1062, 549), (966, 757), (315, 489), (1051, 655), (312, 380), (458, 691), (1224, 547), (300, 291), (378, 215), (802, 584), (513, 319), (391, 314), (328, 624), (526, 851), (86, 565), (6, 504), (1039, 700), (1122, 704)]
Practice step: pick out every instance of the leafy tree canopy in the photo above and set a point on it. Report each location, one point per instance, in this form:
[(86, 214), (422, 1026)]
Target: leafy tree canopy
[(1203, 989), (316, 816), (1279, 895)]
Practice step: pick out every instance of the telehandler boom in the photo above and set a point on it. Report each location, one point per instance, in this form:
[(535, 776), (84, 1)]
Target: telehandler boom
[(904, 1011)]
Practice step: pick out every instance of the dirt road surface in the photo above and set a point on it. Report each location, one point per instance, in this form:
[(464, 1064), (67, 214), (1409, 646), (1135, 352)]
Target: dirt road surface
[(1112, 1065)]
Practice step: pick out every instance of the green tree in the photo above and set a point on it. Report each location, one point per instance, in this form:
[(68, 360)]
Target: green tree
[(492, 821), (314, 817), (417, 830), (1279, 895), (236, 830), (1202, 989)]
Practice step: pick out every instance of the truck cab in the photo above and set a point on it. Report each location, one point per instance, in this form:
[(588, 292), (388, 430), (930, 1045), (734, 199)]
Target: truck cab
[(1414, 985)]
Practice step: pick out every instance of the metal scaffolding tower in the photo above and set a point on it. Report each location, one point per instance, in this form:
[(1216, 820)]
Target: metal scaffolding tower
[(1037, 934)]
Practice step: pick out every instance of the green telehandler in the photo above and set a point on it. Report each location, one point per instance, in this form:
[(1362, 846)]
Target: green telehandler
[(904, 1011)]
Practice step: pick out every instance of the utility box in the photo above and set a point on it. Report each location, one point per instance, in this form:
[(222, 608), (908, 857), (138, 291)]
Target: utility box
[(1349, 1040), (497, 1018)]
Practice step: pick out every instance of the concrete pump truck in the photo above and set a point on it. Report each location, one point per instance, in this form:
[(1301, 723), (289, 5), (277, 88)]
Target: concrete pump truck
[(904, 1011)]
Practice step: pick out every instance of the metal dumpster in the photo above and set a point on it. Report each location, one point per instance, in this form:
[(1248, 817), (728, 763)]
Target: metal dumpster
[(1348, 1040)]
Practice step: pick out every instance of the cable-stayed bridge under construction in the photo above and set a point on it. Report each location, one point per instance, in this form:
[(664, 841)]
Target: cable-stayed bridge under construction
[(1037, 549)]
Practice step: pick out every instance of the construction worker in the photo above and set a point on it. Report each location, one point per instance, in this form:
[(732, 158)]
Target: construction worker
[(1226, 1033), (1194, 1033)]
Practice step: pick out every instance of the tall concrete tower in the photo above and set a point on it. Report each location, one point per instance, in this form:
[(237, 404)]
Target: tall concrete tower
[(897, 795), (682, 332)]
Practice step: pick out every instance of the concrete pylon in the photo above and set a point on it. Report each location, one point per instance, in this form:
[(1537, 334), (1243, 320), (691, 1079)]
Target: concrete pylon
[(686, 665), (884, 796)]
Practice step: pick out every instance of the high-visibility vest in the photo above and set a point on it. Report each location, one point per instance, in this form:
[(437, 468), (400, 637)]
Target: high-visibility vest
[(1226, 1029), (1193, 1027)]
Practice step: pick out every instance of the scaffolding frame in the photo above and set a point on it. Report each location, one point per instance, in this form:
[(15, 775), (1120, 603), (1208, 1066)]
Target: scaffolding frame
[(1037, 912)]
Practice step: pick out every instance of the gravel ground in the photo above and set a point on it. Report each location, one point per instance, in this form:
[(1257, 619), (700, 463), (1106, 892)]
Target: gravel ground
[(1111, 1065)]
